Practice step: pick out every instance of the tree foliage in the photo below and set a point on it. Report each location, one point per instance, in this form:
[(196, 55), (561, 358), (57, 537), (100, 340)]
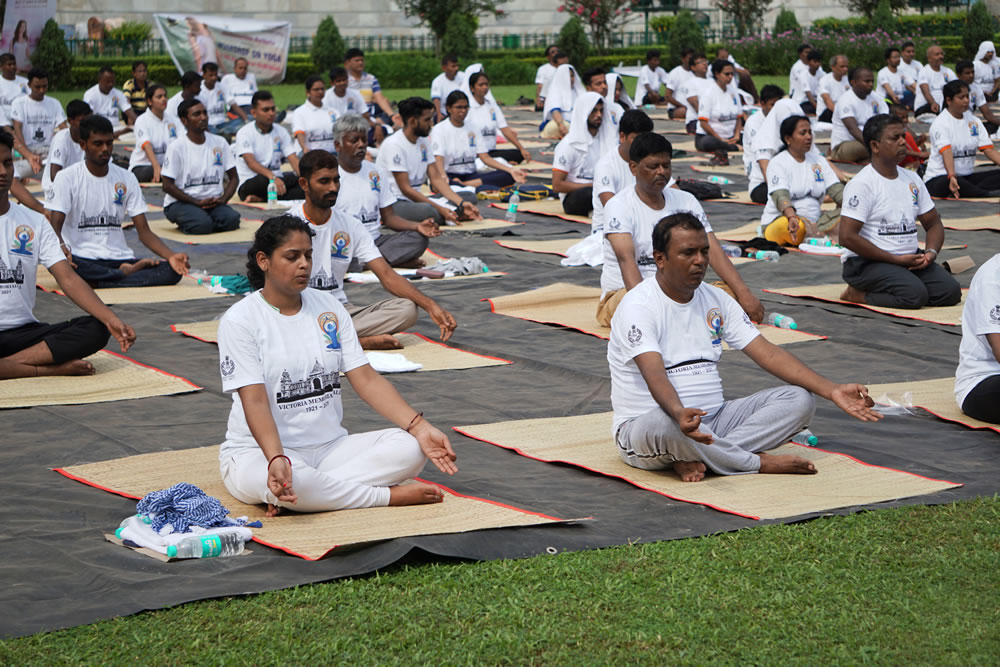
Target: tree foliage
[(573, 42), (603, 17), (746, 14), (53, 55), (460, 36), (435, 13), (328, 46), (866, 8), (884, 18), (685, 33), (979, 27), (786, 22)]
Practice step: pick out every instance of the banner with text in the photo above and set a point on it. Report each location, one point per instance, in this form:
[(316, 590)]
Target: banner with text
[(195, 40), (23, 21)]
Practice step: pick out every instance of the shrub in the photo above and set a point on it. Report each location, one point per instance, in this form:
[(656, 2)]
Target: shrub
[(53, 55), (327, 47), (573, 42), (460, 36), (661, 26), (510, 71), (786, 22), (685, 33), (883, 18), (867, 8), (747, 15), (130, 31), (979, 27)]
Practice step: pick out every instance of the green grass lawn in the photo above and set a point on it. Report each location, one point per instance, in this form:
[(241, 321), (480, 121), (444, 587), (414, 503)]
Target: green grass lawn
[(912, 585)]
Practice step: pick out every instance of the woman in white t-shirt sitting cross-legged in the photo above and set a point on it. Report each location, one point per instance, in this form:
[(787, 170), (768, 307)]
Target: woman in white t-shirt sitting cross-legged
[(977, 379), (282, 352), (720, 115), (798, 179), (956, 137)]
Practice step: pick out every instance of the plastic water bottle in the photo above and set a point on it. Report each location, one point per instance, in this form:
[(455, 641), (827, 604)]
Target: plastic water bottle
[(649, 107), (766, 255), (128, 520), (719, 180), (272, 194), (820, 241), (805, 437), (512, 204), (780, 321), (732, 250), (207, 546)]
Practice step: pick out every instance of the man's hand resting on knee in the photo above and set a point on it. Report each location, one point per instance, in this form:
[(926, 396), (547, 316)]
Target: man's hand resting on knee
[(689, 419)]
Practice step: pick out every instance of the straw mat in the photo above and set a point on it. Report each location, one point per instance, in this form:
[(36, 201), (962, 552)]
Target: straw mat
[(982, 222), (548, 207), (117, 378), (732, 169), (309, 536), (186, 290), (168, 230), (939, 315), (585, 441), (936, 397), (534, 165), (479, 225), (553, 247)]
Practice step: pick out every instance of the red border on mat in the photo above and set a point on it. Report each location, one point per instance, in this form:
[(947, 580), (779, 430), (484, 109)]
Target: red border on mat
[(955, 421), (173, 327), (153, 368), (862, 305), (538, 252), (326, 553), (547, 215)]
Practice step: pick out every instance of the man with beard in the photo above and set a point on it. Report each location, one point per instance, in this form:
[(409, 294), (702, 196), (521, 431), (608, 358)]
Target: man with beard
[(341, 240), (407, 156)]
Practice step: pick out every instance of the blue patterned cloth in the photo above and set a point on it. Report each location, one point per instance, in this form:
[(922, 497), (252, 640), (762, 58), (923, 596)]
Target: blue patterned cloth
[(184, 505)]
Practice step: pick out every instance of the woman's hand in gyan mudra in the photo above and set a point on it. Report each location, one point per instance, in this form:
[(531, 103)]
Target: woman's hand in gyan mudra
[(279, 482), (435, 446)]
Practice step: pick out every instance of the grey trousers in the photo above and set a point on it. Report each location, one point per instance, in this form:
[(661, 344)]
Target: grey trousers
[(384, 317), (418, 211), (397, 248), (894, 286), (740, 428)]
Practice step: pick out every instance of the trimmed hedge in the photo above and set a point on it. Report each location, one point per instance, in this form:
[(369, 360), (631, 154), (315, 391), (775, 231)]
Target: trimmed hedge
[(917, 25)]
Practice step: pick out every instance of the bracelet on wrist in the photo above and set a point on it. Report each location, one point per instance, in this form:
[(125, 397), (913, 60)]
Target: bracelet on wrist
[(279, 456), (413, 421)]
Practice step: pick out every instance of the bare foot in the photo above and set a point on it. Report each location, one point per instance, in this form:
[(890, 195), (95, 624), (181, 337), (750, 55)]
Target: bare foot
[(144, 263), (690, 471), (71, 367), (785, 464), (413, 264), (852, 294), (272, 511), (253, 199), (380, 342), (415, 494)]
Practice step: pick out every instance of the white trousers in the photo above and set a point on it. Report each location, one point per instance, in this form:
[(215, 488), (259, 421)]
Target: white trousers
[(355, 471)]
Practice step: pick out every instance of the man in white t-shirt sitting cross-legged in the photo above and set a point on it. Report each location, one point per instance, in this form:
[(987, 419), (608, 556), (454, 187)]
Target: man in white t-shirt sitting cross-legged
[(883, 263), (260, 147), (666, 391)]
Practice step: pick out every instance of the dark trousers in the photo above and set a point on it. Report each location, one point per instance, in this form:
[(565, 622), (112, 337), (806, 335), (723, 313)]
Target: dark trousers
[(496, 179), (257, 186), (808, 108), (826, 116), (512, 155), (73, 339), (398, 248), (100, 273), (983, 402), (991, 127), (143, 173), (709, 144), (191, 219), (974, 186), (759, 194), (922, 110), (908, 98), (579, 202), (893, 286)]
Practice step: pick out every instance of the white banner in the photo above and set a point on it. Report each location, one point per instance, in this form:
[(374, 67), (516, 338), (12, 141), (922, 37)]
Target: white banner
[(23, 21), (193, 41)]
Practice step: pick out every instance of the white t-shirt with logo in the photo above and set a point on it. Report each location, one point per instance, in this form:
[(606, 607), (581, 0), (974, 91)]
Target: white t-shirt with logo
[(459, 146), (174, 103), (362, 194), (898, 81), (316, 123), (578, 165), (442, 86), (398, 154), (935, 82), (197, 169), (693, 86), (240, 90), (965, 137), (807, 182), (612, 174), (851, 106), (543, 75), (625, 213), (38, 119), (750, 129), (350, 103), (217, 102), (63, 152), (688, 336), (652, 78), (912, 69), (110, 104), (721, 108), (489, 119), (677, 77), (340, 239), (887, 208), (977, 98), (11, 90), (980, 316), (268, 149), (95, 209), (158, 133), (298, 358), (27, 240), (805, 82), (830, 86)]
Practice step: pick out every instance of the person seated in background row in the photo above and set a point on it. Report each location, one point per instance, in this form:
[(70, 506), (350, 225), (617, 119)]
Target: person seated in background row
[(916, 148), (199, 176), (35, 117), (65, 150), (612, 173), (12, 85), (260, 148), (339, 240), (285, 444), (407, 157), (977, 379), (799, 65), (591, 135), (675, 81), (135, 88), (312, 122), (692, 90), (769, 96), (342, 100), (987, 70), (853, 110), (651, 77), (956, 137), (562, 94), (631, 216), (894, 82), (458, 147), (218, 103), (720, 116), (767, 143), (155, 130), (29, 348), (831, 86), (450, 79), (666, 391), (977, 98), (190, 89), (366, 196), (487, 115), (90, 202), (544, 74), (618, 97), (367, 85), (743, 79), (908, 64), (931, 82), (595, 79), (883, 263), (109, 102), (240, 84), (798, 180), (805, 89)]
